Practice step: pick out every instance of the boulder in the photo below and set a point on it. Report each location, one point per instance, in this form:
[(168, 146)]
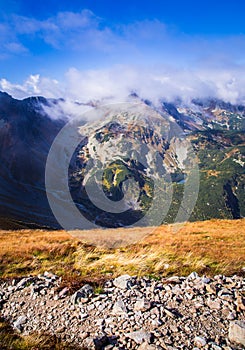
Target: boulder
[(18, 324), (200, 342), (146, 346), (85, 292), (123, 282), (142, 305), (237, 332), (140, 336), (100, 342), (119, 308)]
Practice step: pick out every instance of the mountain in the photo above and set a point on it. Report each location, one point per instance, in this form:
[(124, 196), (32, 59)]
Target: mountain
[(136, 155), (127, 162), (26, 134), (175, 133)]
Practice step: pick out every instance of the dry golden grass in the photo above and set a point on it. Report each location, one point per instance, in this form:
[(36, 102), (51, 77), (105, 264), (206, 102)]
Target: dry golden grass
[(210, 247), (10, 340)]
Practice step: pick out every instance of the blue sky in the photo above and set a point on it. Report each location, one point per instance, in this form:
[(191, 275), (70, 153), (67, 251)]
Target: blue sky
[(47, 47)]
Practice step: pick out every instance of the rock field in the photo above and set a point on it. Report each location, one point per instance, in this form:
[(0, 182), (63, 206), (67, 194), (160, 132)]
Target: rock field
[(173, 313)]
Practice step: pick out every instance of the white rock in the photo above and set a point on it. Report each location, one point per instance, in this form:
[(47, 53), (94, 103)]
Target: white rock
[(142, 305), (18, 324), (119, 308), (83, 316), (140, 336), (193, 276), (122, 282), (205, 280), (83, 293), (146, 346), (200, 342), (237, 332)]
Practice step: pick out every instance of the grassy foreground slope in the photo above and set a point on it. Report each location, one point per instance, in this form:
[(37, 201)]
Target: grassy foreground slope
[(208, 247)]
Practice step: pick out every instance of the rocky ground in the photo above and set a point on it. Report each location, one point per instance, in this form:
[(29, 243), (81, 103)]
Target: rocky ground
[(174, 313)]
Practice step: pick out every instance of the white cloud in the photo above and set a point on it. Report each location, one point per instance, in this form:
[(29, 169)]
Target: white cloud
[(151, 83), (65, 108), (15, 47), (65, 30), (73, 20), (146, 40), (146, 57), (34, 85)]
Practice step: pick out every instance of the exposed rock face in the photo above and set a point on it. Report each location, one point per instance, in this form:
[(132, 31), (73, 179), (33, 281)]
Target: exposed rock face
[(174, 313)]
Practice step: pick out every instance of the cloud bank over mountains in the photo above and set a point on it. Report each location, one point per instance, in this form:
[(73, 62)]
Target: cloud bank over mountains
[(151, 83)]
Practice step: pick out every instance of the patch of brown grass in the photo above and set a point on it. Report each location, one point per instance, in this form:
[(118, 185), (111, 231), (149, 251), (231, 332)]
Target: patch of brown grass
[(211, 247), (10, 340)]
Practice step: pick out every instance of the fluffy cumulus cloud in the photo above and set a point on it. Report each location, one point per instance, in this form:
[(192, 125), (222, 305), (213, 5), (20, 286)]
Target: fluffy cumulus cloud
[(34, 85)]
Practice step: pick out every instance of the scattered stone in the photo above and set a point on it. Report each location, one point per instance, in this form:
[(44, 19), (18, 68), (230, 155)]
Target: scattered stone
[(200, 342), (63, 292), (205, 280), (50, 275), (85, 292), (193, 276), (216, 347), (240, 302), (119, 308), (174, 279), (142, 305), (18, 324), (109, 347), (171, 314), (123, 282), (213, 304), (231, 316), (23, 282), (140, 336), (100, 322), (100, 342), (146, 346), (211, 288), (237, 332)]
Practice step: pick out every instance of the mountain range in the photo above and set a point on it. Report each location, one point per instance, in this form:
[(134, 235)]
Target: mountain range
[(125, 153)]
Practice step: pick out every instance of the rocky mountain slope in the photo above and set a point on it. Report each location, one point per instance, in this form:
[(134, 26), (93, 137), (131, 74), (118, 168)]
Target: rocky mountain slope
[(26, 135), (191, 312), (150, 144), (135, 149)]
